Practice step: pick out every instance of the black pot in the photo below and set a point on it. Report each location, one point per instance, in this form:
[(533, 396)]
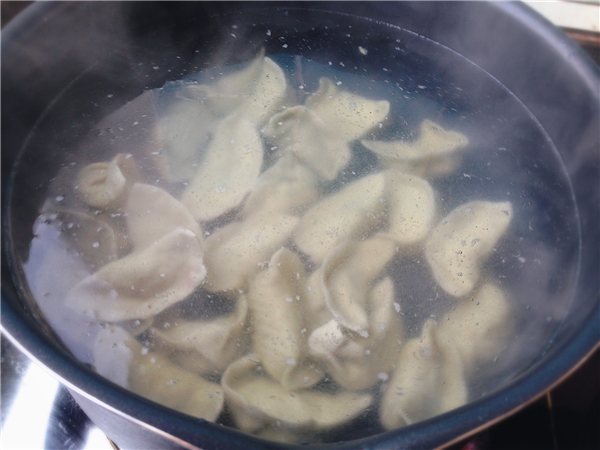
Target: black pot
[(66, 65)]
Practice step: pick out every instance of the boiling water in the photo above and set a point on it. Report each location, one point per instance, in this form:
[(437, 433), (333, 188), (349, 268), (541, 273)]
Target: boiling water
[(497, 166)]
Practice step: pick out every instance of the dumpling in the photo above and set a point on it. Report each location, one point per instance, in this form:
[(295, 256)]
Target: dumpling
[(351, 212), (104, 185), (433, 153), (428, 380), (411, 207), (305, 134), (151, 213), (123, 360), (458, 245), (276, 298), (284, 188), (347, 276), (348, 115), (319, 132), (254, 93), (359, 361), (235, 253), (229, 169), (143, 283), (479, 326), (258, 402), (185, 130), (205, 346)]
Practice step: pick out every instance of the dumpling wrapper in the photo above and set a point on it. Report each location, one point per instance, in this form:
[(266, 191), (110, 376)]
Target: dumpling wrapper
[(185, 130), (353, 211), (143, 283), (254, 93), (308, 136), (458, 245), (104, 185), (228, 171), (357, 362), (319, 132), (151, 213), (123, 360), (205, 346), (433, 153), (348, 115), (235, 253), (479, 326), (428, 380), (411, 207), (258, 402), (276, 299), (284, 188), (347, 276)]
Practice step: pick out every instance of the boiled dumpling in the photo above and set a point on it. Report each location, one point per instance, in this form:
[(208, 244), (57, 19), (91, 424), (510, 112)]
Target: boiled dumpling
[(229, 169), (428, 380), (433, 153), (320, 131), (348, 115), (358, 361), (143, 283), (258, 402), (307, 136), (276, 298), (254, 93), (479, 326), (123, 360), (185, 130), (151, 213), (285, 188), (205, 346), (457, 246), (411, 207), (347, 276), (351, 212), (236, 252), (105, 184)]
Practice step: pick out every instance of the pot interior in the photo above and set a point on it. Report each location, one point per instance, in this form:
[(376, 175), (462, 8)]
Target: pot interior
[(105, 110)]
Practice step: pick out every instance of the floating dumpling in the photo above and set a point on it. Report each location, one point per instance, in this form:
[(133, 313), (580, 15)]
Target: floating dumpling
[(105, 184), (236, 252), (151, 213), (205, 346), (258, 402), (479, 326), (428, 380), (347, 276), (411, 207), (143, 283), (309, 137), (458, 245), (432, 153), (319, 132), (348, 115), (253, 93), (153, 376), (351, 212), (185, 131), (359, 361), (285, 188), (227, 172), (276, 298)]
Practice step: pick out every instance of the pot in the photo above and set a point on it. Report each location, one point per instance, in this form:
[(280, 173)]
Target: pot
[(496, 66)]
